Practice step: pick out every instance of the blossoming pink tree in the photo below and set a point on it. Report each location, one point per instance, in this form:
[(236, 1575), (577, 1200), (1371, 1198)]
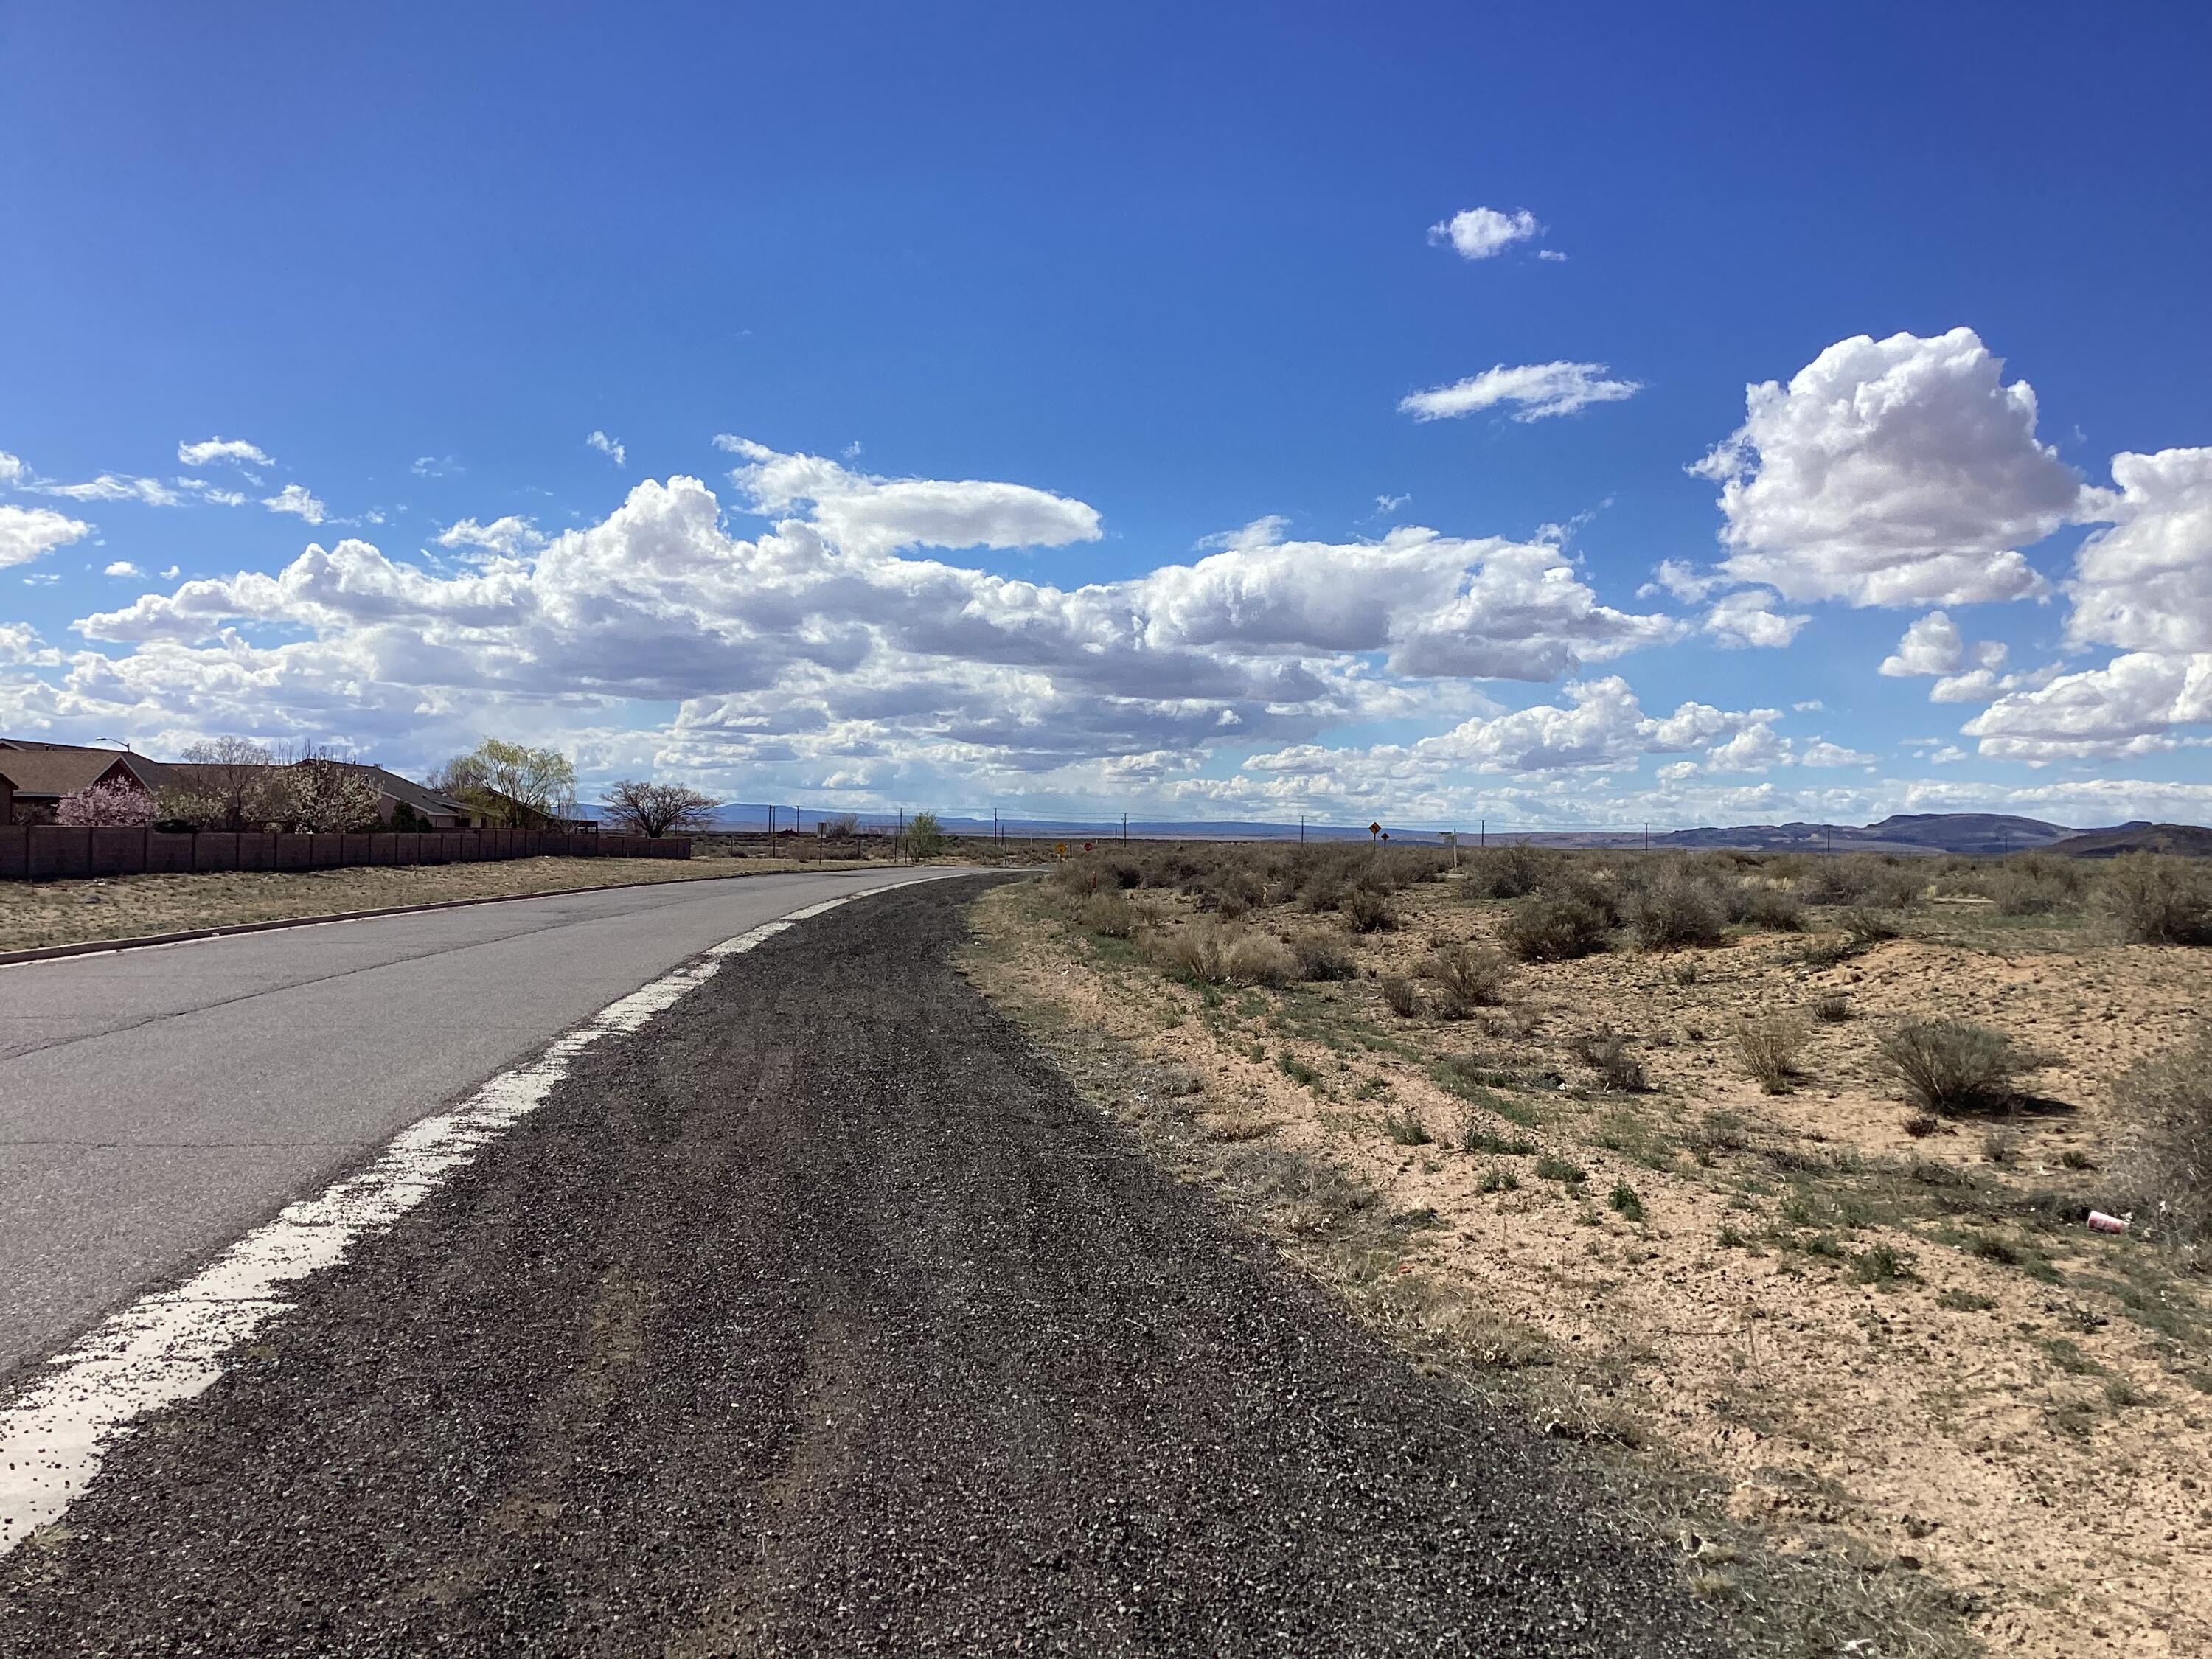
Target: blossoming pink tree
[(112, 804)]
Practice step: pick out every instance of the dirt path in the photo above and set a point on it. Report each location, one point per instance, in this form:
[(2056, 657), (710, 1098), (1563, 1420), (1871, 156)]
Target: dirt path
[(820, 1317)]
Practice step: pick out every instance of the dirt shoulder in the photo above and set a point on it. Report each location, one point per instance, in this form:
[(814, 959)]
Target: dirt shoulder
[(34, 914), (1899, 1358)]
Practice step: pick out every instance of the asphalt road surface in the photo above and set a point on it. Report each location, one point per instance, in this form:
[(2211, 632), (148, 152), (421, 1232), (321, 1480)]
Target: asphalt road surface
[(155, 1103), (818, 1316)]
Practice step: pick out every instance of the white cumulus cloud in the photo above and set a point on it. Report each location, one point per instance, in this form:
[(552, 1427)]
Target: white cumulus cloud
[(2145, 583), (1933, 645), (1600, 724), (1748, 617), (28, 531), (122, 568), (1265, 531), (1534, 390), (1821, 753), (297, 500), (2129, 707), (1481, 233), (235, 452), (866, 513), (20, 647), (1890, 472), (610, 447), (821, 647), (510, 537), (111, 487)]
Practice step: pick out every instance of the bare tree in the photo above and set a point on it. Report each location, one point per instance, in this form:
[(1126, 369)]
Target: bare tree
[(238, 775), (654, 808), (510, 784)]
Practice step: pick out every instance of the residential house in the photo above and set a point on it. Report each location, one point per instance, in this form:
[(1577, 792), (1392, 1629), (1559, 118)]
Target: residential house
[(431, 808), (34, 776), (425, 808), (500, 811)]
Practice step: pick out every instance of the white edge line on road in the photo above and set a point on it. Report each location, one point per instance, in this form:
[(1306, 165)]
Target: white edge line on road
[(167, 1347)]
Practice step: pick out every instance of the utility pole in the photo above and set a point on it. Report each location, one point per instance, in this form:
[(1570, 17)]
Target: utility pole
[(1125, 826), (1647, 838), (1302, 828)]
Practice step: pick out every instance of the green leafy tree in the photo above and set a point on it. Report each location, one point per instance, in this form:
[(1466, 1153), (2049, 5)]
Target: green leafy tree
[(510, 786), (925, 837)]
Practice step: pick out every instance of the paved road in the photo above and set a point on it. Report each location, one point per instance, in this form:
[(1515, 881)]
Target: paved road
[(819, 1317), (154, 1104)]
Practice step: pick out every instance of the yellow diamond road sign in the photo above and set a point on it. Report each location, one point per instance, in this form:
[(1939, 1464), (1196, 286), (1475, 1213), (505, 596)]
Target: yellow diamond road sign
[(1374, 829)]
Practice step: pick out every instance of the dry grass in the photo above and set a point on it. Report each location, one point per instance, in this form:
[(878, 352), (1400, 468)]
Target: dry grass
[(1558, 927), (1769, 1049), (1676, 909), (1606, 1051), (1848, 1319), (36, 915), (1953, 1068), (1468, 976), (2157, 901), (1109, 914), (1220, 953), (2163, 1170)]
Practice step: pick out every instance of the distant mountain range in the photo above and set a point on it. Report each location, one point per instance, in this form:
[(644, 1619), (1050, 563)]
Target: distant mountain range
[(1903, 832), (2188, 840)]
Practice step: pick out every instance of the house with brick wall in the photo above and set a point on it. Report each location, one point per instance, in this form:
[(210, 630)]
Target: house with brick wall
[(34, 776)]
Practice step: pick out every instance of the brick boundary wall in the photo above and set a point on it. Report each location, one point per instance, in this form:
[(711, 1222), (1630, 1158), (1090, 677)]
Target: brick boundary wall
[(39, 852)]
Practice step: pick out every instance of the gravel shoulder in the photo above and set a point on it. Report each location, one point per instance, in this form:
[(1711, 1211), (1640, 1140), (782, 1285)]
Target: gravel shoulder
[(821, 1316)]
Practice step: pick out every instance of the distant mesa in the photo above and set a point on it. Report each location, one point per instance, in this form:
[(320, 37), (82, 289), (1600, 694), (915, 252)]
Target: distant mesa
[(2188, 840), (1974, 833)]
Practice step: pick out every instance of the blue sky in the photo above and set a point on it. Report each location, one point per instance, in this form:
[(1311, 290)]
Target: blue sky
[(1144, 292)]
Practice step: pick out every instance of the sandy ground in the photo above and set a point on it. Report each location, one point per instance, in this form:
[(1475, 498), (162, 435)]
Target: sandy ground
[(37, 914), (2032, 1432)]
